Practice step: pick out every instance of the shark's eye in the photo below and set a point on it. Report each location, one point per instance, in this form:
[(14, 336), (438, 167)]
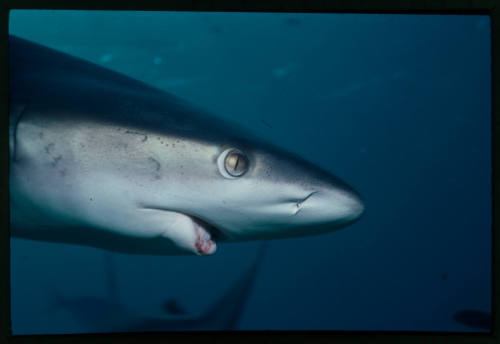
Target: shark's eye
[(236, 163), (232, 163)]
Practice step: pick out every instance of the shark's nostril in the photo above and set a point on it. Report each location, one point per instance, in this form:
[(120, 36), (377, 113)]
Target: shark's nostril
[(298, 206), (300, 203)]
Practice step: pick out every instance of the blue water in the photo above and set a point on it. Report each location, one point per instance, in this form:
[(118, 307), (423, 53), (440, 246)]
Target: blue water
[(398, 106)]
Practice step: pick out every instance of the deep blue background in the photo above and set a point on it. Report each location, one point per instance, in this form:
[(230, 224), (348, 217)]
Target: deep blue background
[(396, 105)]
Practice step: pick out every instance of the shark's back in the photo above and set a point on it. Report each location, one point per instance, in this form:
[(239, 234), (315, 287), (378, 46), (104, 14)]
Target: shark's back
[(43, 78), (34, 67)]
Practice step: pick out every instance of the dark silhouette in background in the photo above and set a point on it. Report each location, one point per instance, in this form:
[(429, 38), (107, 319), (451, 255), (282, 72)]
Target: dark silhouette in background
[(108, 314)]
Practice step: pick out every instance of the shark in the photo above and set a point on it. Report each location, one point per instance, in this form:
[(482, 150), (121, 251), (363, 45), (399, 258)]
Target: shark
[(108, 314), (103, 160)]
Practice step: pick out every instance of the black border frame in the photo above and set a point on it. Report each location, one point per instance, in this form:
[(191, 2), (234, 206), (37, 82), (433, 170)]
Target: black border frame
[(487, 7)]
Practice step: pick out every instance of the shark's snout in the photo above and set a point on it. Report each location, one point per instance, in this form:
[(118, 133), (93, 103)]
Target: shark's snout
[(354, 207), (335, 206)]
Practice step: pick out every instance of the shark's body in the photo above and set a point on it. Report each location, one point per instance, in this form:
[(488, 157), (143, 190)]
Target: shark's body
[(103, 160), (108, 314)]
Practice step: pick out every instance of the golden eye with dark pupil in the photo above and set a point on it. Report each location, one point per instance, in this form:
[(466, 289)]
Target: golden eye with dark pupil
[(236, 163)]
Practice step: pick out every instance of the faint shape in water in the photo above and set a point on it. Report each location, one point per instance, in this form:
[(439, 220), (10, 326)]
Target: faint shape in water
[(179, 48), (357, 86), (444, 276), (483, 23), (283, 71), (399, 75), (474, 319), (177, 82), (172, 306), (266, 124), (217, 29), (106, 58), (348, 89), (108, 314), (292, 21), (157, 60)]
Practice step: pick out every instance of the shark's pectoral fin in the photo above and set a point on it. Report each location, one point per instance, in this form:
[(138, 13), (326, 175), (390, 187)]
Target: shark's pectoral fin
[(184, 231)]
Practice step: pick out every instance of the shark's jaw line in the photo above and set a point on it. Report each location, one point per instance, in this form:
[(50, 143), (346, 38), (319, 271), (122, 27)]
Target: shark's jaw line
[(206, 233)]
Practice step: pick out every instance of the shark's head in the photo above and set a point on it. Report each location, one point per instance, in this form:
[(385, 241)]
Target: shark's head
[(267, 193), (243, 189), (133, 169)]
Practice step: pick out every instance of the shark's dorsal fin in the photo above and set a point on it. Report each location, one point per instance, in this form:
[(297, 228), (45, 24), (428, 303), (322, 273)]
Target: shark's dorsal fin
[(226, 312)]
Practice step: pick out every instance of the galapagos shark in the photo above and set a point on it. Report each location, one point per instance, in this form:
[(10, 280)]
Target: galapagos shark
[(108, 314), (100, 159)]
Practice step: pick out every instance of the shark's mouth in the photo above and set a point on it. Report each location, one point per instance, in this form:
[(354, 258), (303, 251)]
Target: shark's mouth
[(206, 235), (204, 244), (215, 232), (203, 237)]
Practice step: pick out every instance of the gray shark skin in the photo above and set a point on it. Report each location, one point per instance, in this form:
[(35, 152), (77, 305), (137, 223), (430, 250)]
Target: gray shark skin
[(109, 315), (100, 159)]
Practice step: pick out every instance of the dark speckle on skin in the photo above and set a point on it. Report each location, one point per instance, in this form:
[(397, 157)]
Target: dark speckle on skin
[(91, 199), (82, 145), (56, 160), (62, 172), (145, 137), (156, 165), (49, 148), (40, 134)]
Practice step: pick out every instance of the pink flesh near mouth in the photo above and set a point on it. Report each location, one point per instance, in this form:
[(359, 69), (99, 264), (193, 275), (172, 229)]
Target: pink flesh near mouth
[(204, 244)]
